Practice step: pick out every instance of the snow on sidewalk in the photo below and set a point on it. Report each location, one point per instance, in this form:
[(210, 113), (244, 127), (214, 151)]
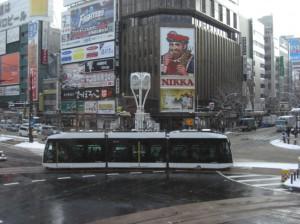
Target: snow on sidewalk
[(35, 147), (281, 144)]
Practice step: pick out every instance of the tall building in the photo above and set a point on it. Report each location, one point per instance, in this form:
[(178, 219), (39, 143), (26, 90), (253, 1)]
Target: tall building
[(253, 50), (271, 52), (190, 48), (24, 34)]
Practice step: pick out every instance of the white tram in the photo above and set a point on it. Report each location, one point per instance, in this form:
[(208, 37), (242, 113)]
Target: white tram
[(155, 150)]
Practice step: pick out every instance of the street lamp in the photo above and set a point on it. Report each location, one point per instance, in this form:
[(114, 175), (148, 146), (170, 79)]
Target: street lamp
[(140, 81)]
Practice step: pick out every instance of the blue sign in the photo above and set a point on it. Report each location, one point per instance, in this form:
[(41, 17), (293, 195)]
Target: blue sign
[(32, 30), (294, 49)]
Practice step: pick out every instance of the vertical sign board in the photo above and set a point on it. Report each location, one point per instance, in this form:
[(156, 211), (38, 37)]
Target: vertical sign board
[(177, 76), (33, 34), (294, 51), (2, 42), (44, 52)]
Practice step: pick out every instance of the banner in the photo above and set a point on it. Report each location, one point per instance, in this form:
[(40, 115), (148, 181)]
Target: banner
[(33, 34), (177, 70), (10, 69), (88, 23), (90, 52)]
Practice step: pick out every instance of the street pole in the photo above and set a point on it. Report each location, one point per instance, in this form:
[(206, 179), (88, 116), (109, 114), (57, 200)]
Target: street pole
[(30, 108)]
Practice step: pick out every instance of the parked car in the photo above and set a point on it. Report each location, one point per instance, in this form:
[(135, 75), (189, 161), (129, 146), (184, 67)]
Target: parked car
[(2, 156), (247, 124), (47, 130), (24, 131)]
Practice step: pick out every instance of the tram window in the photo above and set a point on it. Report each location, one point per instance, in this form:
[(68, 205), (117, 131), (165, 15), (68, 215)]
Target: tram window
[(205, 153), (179, 153), (50, 153), (95, 152), (156, 153), (64, 152), (78, 154), (122, 153)]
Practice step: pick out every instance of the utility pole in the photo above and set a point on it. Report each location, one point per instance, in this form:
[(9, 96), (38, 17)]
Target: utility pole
[(30, 108)]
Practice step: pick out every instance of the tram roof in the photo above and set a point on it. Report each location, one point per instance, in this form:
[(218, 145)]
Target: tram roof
[(139, 135), (196, 134), (78, 135)]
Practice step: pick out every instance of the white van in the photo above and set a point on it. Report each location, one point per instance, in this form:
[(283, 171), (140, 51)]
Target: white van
[(24, 131), (285, 121)]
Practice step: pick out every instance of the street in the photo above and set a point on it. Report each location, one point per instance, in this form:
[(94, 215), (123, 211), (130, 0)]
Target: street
[(34, 195)]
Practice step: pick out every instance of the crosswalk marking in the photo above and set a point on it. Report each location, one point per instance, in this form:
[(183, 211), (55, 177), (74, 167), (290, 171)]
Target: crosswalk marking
[(264, 181), (265, 185), (247, 175), (260, 179)]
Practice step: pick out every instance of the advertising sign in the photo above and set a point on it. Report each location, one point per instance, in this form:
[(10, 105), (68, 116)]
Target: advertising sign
[(177, 100), (294, 49), (10, 69), (88, 23), (88, 94), (13, 13), (90, 107), (38, 7), (72, 106), (10, 90), (90, 52), (2, 42), (74, 76), (13, 35), (44, 52), (177, 77), (106, 107), (33, 31)]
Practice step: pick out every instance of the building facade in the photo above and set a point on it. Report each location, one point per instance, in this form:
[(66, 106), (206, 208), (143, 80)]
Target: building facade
[(146, 29), (24, 35)]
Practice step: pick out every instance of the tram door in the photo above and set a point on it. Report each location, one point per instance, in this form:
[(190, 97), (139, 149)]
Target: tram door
[(136, 153)]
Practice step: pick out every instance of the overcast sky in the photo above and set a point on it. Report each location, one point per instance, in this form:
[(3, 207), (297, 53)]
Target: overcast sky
[(286, 13)]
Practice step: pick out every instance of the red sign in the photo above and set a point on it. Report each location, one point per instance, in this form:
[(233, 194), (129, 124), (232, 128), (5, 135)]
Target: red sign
[(44, 56)]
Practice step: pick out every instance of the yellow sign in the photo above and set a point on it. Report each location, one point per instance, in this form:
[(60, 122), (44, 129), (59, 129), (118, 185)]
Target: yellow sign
[(38, 7)]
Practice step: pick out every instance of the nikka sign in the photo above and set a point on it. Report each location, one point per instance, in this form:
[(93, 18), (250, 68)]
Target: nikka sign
[(176, 82)]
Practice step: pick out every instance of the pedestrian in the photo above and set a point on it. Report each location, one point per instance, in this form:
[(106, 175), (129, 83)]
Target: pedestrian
[(284, 137), (288, 131), (295, 132)]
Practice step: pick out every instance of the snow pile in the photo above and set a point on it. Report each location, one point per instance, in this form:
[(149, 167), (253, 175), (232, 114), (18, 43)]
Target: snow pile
[(296, 183), (3, 138), (266, 165), (35, 147), (281, 144)]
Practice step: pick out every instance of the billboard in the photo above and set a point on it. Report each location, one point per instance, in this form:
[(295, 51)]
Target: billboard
[(106, 107), (13, 35), (10, 90), (88, 94), (177, 66), (88, 23), (38, 7), (33, 35), (2, 42), (90, 52), (74, 76), (294, 44), (10, 69)]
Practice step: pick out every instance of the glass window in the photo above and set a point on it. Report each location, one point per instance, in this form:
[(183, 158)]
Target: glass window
[(220, 12), (50, 153)]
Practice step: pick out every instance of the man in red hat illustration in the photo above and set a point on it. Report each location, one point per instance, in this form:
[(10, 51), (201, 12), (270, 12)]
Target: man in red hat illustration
[(178, 60)]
